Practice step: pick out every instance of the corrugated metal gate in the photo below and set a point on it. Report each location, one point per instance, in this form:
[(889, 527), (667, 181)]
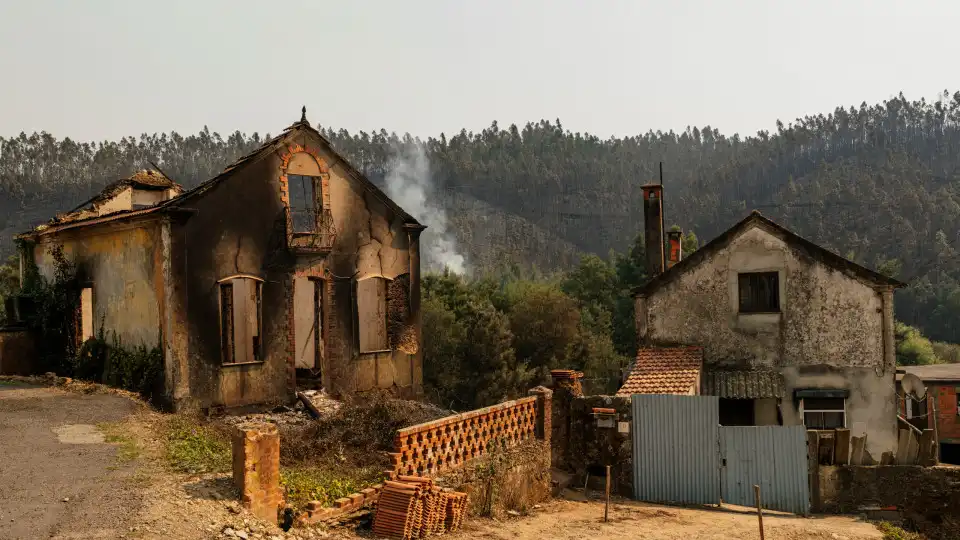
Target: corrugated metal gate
[(675, 449), (681, 454), (773, 457)]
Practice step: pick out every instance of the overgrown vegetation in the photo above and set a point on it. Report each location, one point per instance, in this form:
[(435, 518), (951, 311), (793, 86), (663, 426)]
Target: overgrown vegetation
[(305, 484), (138, 369), (494, 336), (52, 314), (892, 532), (913, 348)]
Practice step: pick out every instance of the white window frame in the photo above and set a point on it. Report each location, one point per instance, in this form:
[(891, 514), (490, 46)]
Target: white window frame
[(804, 411)]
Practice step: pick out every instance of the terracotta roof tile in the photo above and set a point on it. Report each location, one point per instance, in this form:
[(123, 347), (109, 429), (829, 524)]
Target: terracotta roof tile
[(673, 370)]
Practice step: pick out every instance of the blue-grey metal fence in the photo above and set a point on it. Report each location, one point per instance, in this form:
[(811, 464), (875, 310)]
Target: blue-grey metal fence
[(773, 457), (676, 455)]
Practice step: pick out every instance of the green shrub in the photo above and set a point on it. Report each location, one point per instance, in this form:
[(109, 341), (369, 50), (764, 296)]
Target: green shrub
[(892, 532), (138, 370)]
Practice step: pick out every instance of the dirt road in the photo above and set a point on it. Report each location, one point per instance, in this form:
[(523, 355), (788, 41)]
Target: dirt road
[(59, 479), (568, 520)]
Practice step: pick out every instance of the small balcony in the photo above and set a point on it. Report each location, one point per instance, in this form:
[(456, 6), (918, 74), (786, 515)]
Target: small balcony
[(314, 232)]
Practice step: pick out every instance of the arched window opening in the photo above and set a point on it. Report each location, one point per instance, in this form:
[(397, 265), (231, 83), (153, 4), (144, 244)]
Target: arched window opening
[(240, 320)]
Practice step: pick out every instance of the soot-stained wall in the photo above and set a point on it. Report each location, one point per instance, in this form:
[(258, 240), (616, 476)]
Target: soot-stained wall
[(828, 334), (239, 227)]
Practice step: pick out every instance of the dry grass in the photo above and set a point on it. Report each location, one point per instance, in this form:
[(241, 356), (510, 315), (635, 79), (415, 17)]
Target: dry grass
[(195, 446)]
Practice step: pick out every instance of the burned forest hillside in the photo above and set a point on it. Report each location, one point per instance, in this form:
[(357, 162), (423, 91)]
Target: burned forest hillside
[(877, 183)]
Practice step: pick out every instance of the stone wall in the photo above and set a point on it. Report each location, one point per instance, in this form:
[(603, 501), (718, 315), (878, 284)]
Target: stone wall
[(595, 442), (508, 479), (829, 331), (17, 351), (926, 498)]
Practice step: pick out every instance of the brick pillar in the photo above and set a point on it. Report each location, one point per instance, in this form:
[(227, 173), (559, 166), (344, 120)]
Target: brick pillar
[(256, 469), (544, 412)]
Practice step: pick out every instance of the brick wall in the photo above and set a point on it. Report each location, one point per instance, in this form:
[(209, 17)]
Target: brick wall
[(948, 422), (432, 447)]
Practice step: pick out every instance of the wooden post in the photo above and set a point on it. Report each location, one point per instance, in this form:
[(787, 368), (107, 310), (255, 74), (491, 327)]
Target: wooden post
[(813, 467), (936, 429), (841, 453), (756, 491), (606, 504)]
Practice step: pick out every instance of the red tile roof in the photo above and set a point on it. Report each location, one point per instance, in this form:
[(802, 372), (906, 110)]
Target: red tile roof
[(673, 370)]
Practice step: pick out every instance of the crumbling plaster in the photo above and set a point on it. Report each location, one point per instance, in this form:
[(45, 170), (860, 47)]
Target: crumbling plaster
[(122, 263), (828, 334), (370, 238), (370, 242)]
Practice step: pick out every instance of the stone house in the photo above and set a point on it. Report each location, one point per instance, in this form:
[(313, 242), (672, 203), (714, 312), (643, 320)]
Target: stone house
[(289, 269), (789, 332), (942, 382)]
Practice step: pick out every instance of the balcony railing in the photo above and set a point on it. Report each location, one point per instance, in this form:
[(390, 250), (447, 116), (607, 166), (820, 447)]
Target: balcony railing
[(313, 232)]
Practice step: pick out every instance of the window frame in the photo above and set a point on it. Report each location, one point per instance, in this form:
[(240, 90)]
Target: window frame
[(758, 277), (385, 285), (256, 345), (316, 183), (804, 411), (84, 321)]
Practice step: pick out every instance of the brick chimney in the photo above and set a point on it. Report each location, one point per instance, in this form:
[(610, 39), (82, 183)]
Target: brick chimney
[(653, 227), (674, 248)]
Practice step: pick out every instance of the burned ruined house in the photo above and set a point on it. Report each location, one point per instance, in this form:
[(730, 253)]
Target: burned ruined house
[(783, 331), (288, 269)]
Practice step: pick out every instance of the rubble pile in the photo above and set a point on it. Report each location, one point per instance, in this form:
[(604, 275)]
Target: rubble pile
[(295, 415), (413, 507)]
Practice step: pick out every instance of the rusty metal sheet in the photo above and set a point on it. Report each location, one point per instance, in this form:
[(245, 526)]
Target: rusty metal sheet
[(743, 384)]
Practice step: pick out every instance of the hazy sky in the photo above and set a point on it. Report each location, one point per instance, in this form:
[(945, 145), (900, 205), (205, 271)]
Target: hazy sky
[(99, 69)]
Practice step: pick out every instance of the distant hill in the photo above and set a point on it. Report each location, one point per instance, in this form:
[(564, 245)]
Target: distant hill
[(877, 183)]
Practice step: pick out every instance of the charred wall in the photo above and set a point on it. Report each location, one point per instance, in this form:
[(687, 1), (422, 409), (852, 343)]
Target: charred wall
[(371, 243), (238, 227)]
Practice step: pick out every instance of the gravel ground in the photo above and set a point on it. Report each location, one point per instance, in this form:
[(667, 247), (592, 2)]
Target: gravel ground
[(59, 479)]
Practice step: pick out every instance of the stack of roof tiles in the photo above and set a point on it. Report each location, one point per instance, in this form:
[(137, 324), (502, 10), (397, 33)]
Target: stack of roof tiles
[(673, 370), (413, 507)]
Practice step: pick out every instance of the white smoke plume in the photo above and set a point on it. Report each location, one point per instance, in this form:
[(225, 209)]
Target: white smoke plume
[(409, 185)]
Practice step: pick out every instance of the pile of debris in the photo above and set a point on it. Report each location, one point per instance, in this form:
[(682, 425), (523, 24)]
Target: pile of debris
[(413, 507), (311, 405)]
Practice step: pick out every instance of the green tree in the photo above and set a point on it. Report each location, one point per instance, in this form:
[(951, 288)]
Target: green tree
[(913, 349)]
